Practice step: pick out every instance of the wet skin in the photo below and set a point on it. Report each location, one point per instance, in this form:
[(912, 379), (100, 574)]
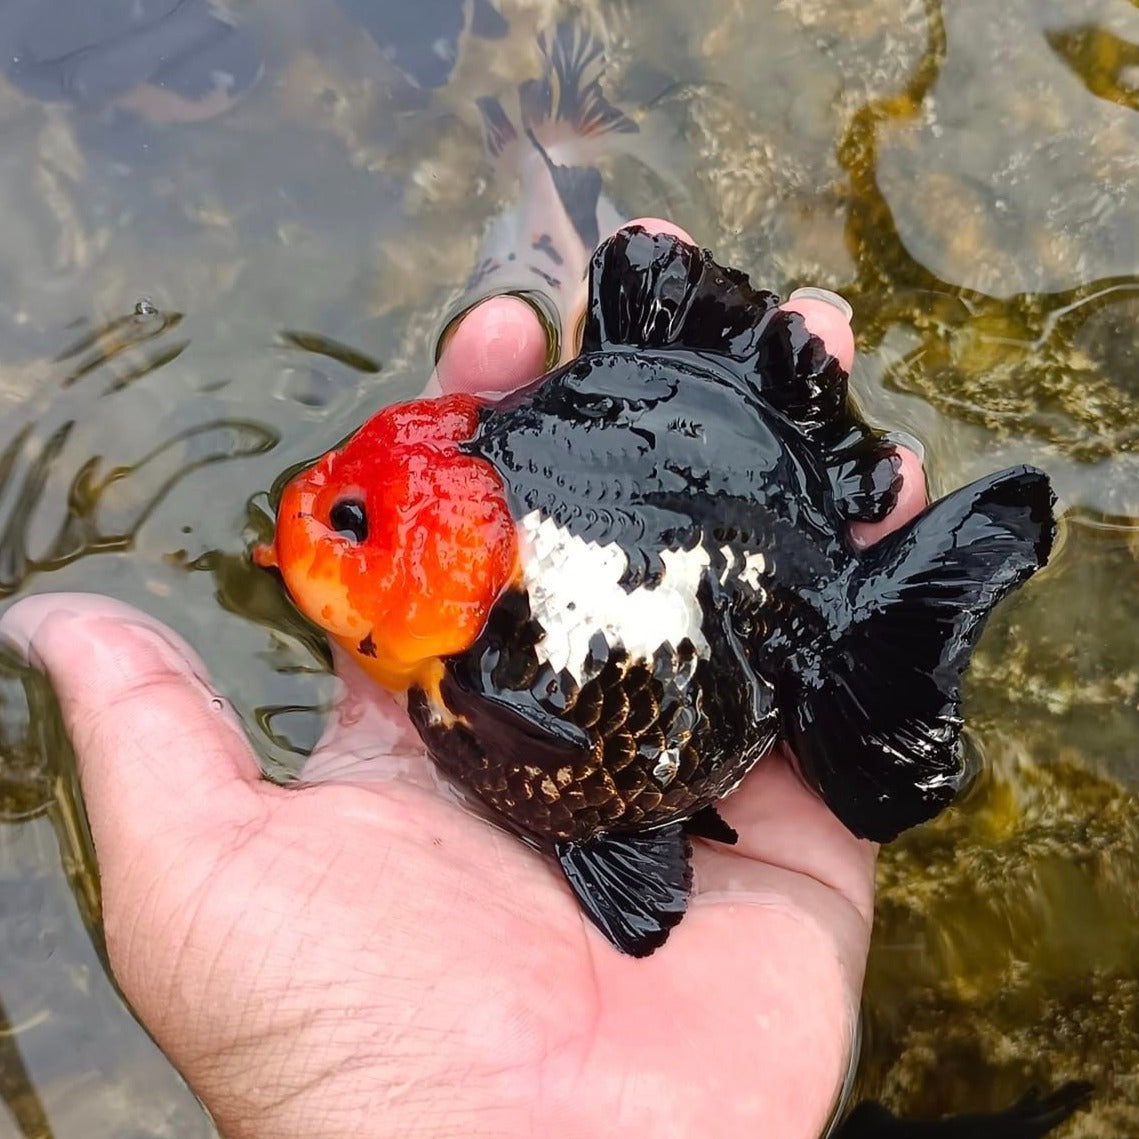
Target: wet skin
[(375, 961)]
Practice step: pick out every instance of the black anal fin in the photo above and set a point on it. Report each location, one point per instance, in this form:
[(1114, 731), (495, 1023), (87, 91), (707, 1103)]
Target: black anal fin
[(1029, 1118), (634, 887), (707, 823)]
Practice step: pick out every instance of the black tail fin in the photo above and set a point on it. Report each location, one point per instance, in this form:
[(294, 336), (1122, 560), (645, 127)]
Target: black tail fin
[(876, 728), (1029, 1118)]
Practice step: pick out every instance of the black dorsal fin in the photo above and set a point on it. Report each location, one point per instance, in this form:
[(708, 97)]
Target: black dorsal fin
[(657, 293), (654, 291)]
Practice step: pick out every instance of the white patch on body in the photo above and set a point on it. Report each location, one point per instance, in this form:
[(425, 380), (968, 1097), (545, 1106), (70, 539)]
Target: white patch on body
[(667, 766), (752, 573), (575, 592), (729, 562)]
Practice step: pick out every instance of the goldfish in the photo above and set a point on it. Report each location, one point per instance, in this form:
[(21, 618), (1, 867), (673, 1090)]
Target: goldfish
[(606, 597), (538, 247)]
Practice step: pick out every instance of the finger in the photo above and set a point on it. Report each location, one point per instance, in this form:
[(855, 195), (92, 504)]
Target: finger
[(781, 823), (827, 315), (912, 499), (496, 347), (369, 737), (658, 225), (160, 753)]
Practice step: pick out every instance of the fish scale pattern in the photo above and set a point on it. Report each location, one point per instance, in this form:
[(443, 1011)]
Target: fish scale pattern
[(658, 740)]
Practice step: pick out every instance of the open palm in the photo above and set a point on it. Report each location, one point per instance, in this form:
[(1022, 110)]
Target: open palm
[(347, 959)]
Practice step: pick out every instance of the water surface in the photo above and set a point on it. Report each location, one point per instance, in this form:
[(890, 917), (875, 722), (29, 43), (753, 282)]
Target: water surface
[(187, 310)]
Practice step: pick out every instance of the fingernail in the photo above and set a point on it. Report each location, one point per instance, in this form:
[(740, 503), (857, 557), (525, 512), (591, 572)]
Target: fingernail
[(812, 293), (18, 625), (910, 442)]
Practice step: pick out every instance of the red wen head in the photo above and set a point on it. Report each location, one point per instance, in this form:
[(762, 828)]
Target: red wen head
[(398, 544)]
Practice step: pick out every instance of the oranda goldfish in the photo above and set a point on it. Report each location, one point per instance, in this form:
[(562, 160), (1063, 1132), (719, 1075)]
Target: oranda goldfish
[(609, 595)]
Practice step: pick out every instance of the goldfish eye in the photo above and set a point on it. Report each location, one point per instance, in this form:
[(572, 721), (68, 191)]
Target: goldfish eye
[(347, 517)]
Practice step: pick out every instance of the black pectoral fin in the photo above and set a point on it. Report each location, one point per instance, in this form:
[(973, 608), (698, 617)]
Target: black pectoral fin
[(634, 887), (579, 190), (654, 291), (521, 730), (1031, 1117), (875, 723), (707, 823)]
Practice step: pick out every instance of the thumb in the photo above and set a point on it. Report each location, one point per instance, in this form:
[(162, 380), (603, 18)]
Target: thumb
[(162, 758)]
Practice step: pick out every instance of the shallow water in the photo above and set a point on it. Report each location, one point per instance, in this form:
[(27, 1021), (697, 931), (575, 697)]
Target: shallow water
[(185, 312)]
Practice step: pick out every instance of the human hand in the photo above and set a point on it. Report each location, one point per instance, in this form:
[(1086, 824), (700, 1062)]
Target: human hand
[(374, 961)]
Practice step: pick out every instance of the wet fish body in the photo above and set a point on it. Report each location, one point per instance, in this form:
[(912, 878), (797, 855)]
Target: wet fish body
[(610, 594)]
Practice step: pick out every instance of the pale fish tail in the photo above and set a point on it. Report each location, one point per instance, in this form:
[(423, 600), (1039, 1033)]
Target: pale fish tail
[(558, 126)]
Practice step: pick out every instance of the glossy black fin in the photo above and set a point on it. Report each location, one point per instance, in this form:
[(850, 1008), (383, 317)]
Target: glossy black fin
[(654, 291), (1029, 1118), (866, 477), (796, 374), (658, 293), (634, 887), (876, 722), (514, 719), (707, 823)]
